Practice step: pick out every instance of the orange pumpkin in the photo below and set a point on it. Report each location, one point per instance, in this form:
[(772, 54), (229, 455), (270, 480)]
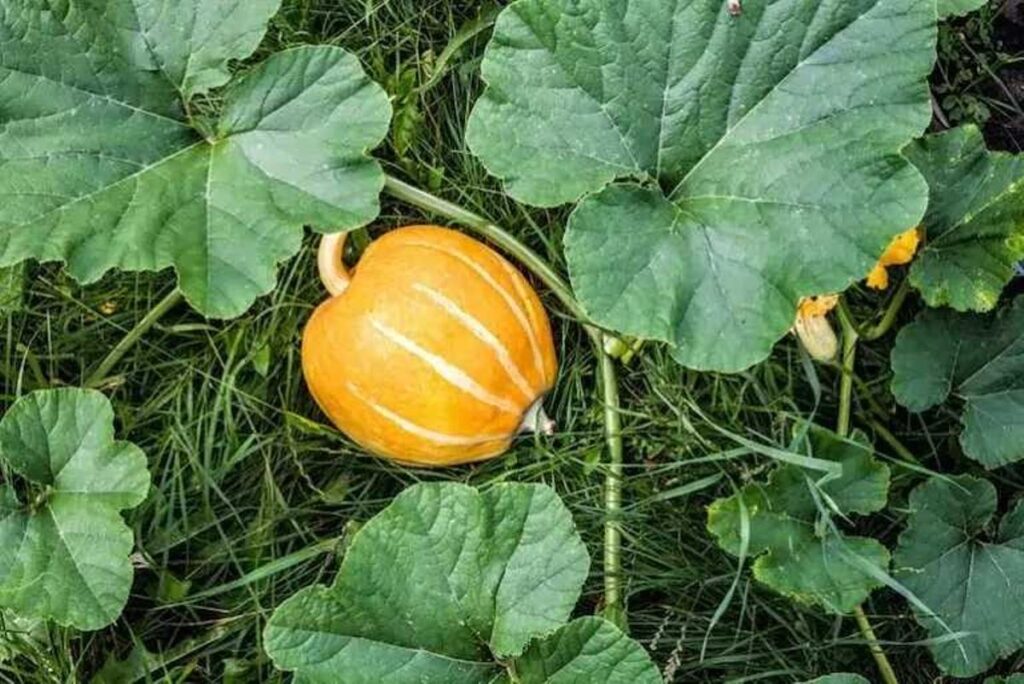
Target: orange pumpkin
[(434, 351)]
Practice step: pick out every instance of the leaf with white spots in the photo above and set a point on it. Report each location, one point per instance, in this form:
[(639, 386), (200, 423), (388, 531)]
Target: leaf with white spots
[(975, 222)]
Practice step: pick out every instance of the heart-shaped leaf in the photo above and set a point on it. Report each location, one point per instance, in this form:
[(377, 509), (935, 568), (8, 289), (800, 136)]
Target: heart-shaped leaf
[(445, 581), (64, 552), (972, 580), (979, 359), (1012, 679), (839, 678), (797, 555), (106, 161), (759, 153), (975, 220)]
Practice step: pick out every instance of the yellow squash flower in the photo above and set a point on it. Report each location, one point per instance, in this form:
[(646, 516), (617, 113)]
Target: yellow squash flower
[(899, 252), (813, 328)]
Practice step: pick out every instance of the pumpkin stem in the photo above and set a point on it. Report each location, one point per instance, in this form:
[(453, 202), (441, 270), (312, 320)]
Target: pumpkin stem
[(331, 265), (536, 420)]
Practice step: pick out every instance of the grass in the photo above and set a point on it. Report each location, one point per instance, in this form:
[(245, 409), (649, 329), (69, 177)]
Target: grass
[(254, 495)]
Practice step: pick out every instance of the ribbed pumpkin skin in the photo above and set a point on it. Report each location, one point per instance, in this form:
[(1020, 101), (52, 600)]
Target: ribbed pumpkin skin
[(435, 351)]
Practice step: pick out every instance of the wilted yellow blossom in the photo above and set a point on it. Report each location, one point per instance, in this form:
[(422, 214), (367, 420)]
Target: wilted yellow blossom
[(813, 328)]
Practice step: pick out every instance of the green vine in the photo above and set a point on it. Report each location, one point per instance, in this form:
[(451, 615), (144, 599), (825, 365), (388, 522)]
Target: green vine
[(848, 359)]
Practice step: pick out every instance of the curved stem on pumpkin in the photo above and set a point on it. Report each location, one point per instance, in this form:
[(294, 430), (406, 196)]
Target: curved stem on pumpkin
[(614, 608), (850, 337), (537, 421), (330, 263), (134, 335)]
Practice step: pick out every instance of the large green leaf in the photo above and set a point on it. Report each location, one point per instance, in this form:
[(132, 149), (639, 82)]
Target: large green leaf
[(796, 554), (970, 574), (758, 154), (444, 581), (975, 220), (64, 553), (956, 8), (100, 165), (840, 678), (980, 360)]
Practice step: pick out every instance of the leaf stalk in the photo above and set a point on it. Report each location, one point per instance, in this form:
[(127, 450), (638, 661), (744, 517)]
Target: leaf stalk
[(849, 356), (97, 377), (891, 312)]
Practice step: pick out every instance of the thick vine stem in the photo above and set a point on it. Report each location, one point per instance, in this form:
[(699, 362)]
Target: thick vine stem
[(849, 356), (614, 606), (884, 666), (850, 337), (132, 337)]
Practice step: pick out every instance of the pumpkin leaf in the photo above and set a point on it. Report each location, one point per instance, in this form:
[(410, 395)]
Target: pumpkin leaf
[(839, 678), (980, 360), (105, 162), (196, 59), (1011, 679), (64, 552), (975, 220), (971, 579), (958, 8), (442, 582), (589, 649), (756, 156), (797, 555)]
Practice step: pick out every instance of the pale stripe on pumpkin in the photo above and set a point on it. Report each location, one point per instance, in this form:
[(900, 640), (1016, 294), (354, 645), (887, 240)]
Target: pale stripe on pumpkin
[(407, 425), (483, 334), (513, 306), (534, 328), (453, 374)]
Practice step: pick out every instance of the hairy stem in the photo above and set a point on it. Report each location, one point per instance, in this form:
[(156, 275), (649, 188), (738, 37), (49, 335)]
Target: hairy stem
[(843, 428), (132, 337), (614, 607), (884, 666), (849, 356)]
